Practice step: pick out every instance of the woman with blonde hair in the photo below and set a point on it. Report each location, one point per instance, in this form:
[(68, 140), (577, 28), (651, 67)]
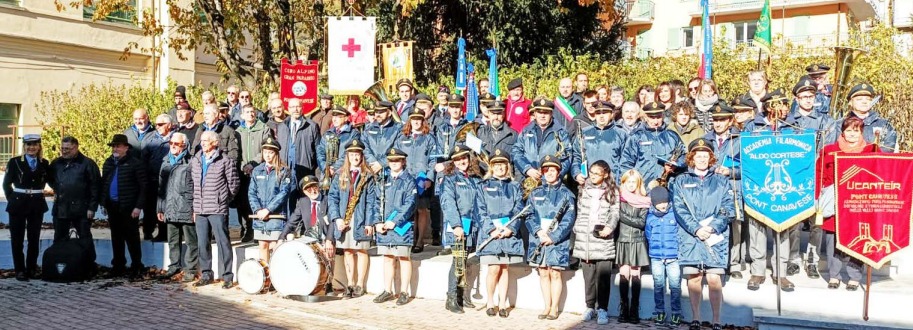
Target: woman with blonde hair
[(630, 248), (271, 185)]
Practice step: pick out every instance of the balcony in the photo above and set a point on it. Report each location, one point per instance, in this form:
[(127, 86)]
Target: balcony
[(861, 9), (639, 12)]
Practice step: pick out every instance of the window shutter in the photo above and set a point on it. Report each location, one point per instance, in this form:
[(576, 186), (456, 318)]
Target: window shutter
[(675, 38)]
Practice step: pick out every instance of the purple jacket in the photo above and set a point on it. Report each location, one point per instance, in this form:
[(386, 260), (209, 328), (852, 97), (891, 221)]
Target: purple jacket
[(212, 193)]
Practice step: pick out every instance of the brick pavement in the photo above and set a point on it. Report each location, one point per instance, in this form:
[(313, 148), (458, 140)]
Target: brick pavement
[(117, 304)]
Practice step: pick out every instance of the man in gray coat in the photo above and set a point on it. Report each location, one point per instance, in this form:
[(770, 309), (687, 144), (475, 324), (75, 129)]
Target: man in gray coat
[(215, 184), (175, 208)]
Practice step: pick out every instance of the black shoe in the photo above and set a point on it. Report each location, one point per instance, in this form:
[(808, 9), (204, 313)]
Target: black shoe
[(444, 252), (812, 271), (187, 278), (736, 275), (468, 304), (717, 326), (383, 297), (418, 249), (227, 285), (170, 274), (348, 292), (203, 282), (452, 305), (502, 312), (491, 311), (403, 299), (623, 313), (695, 325), (247, 238), (116, 272), (20, 276), (792, 269)]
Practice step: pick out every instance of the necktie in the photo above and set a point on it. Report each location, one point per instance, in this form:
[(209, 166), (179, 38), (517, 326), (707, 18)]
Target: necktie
[(402, 105), (313, 213), (352, 183), (33, 162), (719, 140)]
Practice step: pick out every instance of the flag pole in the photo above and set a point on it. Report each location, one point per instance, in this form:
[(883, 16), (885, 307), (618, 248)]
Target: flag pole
[(779, 278), (868, 289), (759, 57)]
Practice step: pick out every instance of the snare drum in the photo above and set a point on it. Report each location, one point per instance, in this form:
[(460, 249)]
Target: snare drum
[(253, 276), (298, 268)]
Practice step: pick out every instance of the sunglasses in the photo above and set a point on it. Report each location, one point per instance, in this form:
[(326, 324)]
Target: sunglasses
[(244, 96), (176, 144), (161, 124), (693, 88)]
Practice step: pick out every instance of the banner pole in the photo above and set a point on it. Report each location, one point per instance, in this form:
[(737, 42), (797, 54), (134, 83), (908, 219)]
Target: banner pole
[(777, 251), (868, 289)]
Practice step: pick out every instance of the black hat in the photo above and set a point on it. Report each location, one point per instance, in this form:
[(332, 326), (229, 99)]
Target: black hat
[(270, 143), (355, 145), (653, 108), (604, 107), (496, 107), (515, 83), (455, 100), (860, 90), (459, 150), (324, 96), (543, 104), (659, 195), (486, 97), (721, 110), (369, 110), (500, 156), (549, 160), (443, 89), (817, 68), (700, 145), (416, 113), (805, 84), (31, 138), (383, 106), (181, 91), (118, 139), (307, 181), (396, 154), (742, 103), (404, 82), (224, 107), (423, 98), (339, 111), (777, 96)]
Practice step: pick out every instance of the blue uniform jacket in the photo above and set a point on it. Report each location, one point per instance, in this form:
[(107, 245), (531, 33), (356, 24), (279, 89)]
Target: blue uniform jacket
[(399, 208), (662, 234), (645, 147), (534, 143), (500, 199), (729, 155), (420, 148), (546, 201), (694, 200), (346, 134), (445, 137), (458, 202), (378, 140), (600, 144), (269, 192), (624, 130), (365, 210)]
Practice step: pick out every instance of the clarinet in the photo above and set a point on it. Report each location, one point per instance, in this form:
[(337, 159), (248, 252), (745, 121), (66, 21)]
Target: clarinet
[(551, 228)]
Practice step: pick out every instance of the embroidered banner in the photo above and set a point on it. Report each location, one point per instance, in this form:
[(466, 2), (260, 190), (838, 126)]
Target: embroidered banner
[(778, 178), (874, 195), (299, 80), (397, 57), (350, 54)]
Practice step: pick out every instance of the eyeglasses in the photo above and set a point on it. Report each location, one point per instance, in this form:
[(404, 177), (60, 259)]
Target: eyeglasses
[(244, 96), (232, 93), (161, 124), (806, 97), (693, 88), (176, 144)]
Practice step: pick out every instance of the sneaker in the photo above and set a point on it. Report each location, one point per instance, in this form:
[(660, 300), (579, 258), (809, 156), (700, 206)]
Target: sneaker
[(602, 317), (358, 292), (792, 269), (383, 297), (659, 318), (675, 320), (589, 315), (403, 299)]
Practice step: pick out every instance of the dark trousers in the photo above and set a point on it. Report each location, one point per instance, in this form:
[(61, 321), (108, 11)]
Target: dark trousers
[(62, 228), (124, 230), (19, 226), (150, 214), (437, 218), (243, 207), (597, 282), (188, 233), (218, 224)]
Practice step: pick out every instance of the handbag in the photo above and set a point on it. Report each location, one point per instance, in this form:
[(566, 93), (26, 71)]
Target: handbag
[(71, 260), (826, 202)]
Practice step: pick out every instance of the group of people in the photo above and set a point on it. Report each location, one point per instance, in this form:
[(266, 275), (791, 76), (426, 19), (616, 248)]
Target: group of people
[(652, 182)]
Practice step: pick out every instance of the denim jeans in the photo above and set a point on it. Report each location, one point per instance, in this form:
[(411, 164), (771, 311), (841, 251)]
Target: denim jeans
[(662, 270)]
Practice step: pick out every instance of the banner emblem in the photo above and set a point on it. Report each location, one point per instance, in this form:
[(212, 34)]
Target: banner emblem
[(350, 54), (299, 80)]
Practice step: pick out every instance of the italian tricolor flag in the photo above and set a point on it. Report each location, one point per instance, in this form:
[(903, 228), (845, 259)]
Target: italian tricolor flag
[(565, 108)]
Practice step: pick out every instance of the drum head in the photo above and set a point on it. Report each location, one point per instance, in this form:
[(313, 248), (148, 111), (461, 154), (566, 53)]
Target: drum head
[(251, 276), (295, 269)]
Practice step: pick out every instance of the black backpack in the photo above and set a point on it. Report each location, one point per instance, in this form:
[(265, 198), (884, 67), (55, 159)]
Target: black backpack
[(72, 260)]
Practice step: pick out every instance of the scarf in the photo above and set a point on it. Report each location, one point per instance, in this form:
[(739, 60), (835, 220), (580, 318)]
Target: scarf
[(635, 200), (172, 159), (846, 146), (704, 104), (598, 191)]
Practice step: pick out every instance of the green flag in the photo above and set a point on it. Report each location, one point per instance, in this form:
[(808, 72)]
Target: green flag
[(762, 34)]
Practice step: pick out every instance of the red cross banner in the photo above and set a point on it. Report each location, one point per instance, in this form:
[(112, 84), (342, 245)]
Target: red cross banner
[(350, 54), (874, 196), (299, 80)]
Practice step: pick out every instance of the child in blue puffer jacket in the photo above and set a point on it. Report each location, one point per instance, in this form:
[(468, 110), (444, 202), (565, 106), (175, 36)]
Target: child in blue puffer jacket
[(662, 236)]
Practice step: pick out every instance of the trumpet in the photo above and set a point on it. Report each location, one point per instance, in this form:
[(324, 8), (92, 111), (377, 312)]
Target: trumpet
[(663, 180), (459, 260)]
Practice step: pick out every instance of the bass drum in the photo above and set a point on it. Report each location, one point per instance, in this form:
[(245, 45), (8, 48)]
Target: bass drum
[(298, 268), (253, 276)]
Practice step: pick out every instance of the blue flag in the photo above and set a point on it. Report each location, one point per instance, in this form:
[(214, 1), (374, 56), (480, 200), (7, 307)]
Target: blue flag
[(706, 69), (461, 65), (493, 86), (472, 95), (778, 177)]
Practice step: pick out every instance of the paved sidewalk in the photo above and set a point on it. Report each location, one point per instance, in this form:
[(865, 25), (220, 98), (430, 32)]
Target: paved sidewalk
[(117, 304)]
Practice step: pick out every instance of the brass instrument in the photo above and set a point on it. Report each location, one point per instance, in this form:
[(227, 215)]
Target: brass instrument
[(846, 58), (459, 260), (560, 152), (551, 228), (381, 179), (663, 180), (332, 155), (350, 208), (529, 184), (472, 127), (376, 93)]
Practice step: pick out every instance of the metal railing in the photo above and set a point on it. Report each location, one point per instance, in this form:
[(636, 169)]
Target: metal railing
[(641, 10), (7, 149), (734, 5), (11, 3), (118, 16)]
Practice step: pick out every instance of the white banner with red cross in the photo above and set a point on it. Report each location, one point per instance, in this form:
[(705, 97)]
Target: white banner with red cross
[(350, 54)]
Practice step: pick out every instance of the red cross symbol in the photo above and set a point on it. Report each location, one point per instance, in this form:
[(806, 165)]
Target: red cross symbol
[(351, 47)]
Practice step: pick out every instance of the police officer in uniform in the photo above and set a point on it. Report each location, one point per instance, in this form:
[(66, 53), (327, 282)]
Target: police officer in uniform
[(861, 107), (539, 138), (649, 144), (23, 185), (343, 133), (596, 142), (379, 136), (459, 198), (727, 148), (496, 134)]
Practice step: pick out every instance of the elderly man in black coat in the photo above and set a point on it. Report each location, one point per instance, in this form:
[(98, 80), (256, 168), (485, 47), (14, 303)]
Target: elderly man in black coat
[(123, 195)]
